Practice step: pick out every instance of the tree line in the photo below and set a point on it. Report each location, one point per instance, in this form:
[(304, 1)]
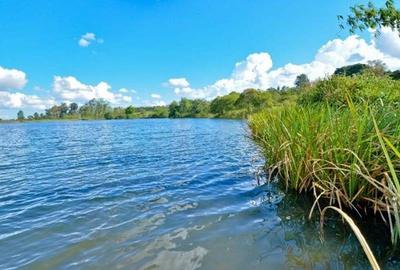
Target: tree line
[(232, 105)]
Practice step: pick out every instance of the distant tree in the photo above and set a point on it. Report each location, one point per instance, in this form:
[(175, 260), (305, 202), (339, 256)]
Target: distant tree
[(364, 17), (118, 113), (220, 105), (251, 99), (95, 109), (108, 116), (73, 108), (188, 108), (351, 70), (63, 108), (20, 115), (173, 110), (185, 107), (377, 67), (200, 108), (53, 112), (160, 112), (36, 116), (302, 81), (129, 111), (395, 75)]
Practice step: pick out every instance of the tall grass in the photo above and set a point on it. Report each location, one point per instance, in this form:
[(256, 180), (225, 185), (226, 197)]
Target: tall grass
[(346, 155)]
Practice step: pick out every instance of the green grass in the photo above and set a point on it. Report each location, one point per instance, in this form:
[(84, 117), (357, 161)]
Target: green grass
[(347, 155)]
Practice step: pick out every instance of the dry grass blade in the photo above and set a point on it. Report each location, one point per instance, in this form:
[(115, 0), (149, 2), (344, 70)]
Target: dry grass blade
[(357, 232)]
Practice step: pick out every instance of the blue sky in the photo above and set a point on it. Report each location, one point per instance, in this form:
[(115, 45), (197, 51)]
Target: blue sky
[(141, 45)]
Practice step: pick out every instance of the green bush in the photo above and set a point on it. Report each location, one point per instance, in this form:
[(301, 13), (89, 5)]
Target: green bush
[(364, 88)]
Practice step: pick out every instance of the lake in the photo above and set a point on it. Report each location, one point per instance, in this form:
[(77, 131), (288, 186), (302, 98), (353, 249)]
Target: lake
[(154, 194)]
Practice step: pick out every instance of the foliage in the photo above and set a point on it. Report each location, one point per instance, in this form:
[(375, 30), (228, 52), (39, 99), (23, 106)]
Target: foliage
[(220, 105), (160, 112), (20, 115), (362, 88), (361, 82), (108, 116), (129, 111), (376, 67), (189, 108), (395, 75), (73, 108), (351, 70), (364, 17), (302, 81), (94, 109), (341, 142), (251, 99)]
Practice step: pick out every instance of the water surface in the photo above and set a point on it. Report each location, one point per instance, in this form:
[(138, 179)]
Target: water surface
[(153, 194)]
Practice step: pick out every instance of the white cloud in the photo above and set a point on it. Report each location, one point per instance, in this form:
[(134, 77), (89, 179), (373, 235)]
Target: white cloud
[(83, 42), (155, 96), (19, 100), (178, 82), (70, 89), (88, 38), (12, 79), (123, 90), (256, 70), (388, 42)]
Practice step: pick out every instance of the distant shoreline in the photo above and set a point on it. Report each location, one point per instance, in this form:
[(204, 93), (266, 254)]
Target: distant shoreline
[(103, 119)]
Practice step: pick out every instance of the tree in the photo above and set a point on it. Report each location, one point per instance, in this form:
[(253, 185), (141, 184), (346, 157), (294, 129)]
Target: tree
[(351, 70), (118, 113), (302, 81), (220, 105), (36, 116), (95, 109), (54, 112), (251, 99), (108, 116), (395, 75), (160, 112), (377, 67), (370, 17), (185, 107), (173, 110), (129, 111), (200, 108), (63, 110), (73, 108), (20, 115)]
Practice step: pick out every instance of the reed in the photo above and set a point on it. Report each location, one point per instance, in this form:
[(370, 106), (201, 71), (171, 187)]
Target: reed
[(346, 155)]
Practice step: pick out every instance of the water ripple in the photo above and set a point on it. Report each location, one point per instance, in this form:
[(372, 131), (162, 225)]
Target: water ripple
[(139, 194)]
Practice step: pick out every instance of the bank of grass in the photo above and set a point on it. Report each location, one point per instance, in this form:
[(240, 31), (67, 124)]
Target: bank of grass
[(341, 143)]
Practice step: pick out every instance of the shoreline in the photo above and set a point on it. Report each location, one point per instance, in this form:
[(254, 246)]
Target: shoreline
[(103, 119)]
